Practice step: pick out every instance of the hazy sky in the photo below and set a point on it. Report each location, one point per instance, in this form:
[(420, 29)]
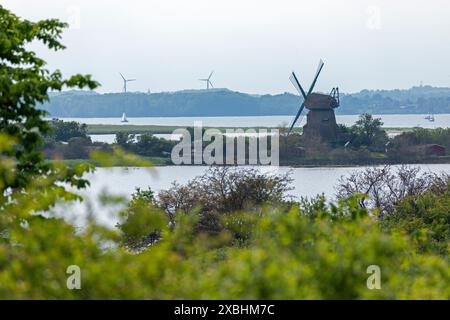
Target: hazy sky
[(251, 44)]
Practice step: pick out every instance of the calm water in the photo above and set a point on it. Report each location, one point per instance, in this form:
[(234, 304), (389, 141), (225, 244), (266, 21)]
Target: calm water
[(111, 138), (307, 182), (392, 120)]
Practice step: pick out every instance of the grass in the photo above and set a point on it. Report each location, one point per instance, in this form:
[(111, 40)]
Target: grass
[(157, 161), (303, 162)]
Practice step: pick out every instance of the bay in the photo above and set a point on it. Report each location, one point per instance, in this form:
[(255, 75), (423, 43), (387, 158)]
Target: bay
[(389, 120), (307, 182)]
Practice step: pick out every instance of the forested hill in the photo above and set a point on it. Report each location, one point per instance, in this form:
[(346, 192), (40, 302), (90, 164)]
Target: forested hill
[(223, 102)]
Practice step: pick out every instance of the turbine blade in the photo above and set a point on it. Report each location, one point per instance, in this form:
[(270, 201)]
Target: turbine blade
[(210, 83), (131, 80), (210, 75), (298, 115), (297, 85), (122, 76)]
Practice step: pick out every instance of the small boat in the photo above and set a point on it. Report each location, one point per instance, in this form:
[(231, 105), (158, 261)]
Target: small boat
[(124, 118), (431, 118)]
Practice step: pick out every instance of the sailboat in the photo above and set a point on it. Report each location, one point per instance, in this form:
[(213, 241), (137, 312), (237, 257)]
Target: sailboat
[(431, 118), (124, 118)]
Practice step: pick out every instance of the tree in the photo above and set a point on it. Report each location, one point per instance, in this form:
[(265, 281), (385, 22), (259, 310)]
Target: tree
[(24, 83), (223, 190), (123, 139), (65, 130), (367, 132)]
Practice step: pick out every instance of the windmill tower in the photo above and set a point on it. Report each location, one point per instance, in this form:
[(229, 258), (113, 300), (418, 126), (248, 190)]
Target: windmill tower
[(320, 120)]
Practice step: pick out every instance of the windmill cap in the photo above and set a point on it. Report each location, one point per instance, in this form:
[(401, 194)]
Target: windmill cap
[(320, 101)]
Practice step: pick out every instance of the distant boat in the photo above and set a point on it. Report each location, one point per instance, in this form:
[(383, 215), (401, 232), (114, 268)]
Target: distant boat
[(124, 118), (431, 118)]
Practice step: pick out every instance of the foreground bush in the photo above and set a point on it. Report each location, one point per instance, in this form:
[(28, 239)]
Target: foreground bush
[(288, 255), (426, 218)]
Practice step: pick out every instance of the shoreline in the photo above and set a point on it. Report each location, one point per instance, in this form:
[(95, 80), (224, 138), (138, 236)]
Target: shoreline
[(165, 162), (100, 129)]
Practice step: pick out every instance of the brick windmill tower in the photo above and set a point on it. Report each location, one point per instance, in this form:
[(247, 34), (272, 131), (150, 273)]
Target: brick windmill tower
[(320, 120)]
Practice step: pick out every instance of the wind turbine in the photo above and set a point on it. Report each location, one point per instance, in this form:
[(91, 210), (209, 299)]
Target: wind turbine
[(208, 81), (125, 82)]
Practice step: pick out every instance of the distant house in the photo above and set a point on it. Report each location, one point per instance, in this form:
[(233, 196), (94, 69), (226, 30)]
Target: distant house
[(430, 149)]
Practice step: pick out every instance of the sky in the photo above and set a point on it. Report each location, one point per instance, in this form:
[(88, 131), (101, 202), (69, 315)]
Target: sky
[(252, 45)]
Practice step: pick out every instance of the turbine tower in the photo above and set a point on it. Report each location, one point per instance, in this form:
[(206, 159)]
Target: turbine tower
[(125, 81), (208, 81)]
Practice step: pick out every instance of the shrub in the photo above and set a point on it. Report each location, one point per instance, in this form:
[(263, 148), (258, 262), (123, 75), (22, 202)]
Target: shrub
[(425, 217), (387, 186), (222, 190)]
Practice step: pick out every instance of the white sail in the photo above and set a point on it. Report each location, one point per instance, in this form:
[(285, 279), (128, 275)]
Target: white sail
[(124, 118)]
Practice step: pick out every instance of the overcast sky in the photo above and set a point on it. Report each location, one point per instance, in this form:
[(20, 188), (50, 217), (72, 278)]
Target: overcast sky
[(251, 44)]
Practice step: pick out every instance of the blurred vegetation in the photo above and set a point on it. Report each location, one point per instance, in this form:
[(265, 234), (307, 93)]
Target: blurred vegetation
[(146, 144), (309, 250)]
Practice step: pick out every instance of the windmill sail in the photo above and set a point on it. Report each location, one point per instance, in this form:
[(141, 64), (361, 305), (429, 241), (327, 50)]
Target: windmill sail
[(299, 88), (297, 85), (297, 116), (319, 69)]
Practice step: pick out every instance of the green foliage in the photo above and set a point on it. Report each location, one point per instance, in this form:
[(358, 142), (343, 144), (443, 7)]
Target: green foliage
[(118, 157), (66, 130), (420, 136), (367, 132), (24, 82), (425, 217), (145, 144), (142, 221), (287, 255), (221, 191)]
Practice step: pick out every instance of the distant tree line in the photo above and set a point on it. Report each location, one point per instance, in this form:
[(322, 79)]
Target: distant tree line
[(222, 102)]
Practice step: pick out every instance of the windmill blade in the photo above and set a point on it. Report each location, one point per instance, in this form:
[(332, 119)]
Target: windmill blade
[(319, 69), (311, 88), (122, 76), (210, 83), (297, 85), (210, 75), (297, 116), (131, 80)]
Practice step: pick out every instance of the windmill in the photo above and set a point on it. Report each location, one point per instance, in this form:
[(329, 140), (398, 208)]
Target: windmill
[(125, 81), (208, 81), (321, 120)]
